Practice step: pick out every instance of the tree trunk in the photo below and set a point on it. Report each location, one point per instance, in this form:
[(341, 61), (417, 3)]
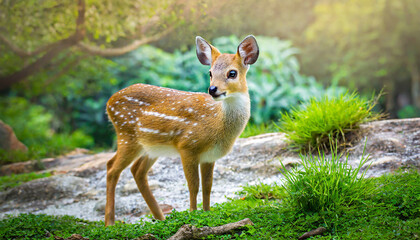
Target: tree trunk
[(415, 82), (390, 98)]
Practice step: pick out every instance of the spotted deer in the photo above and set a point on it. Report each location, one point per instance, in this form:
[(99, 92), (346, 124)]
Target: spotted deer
[(154, 121)]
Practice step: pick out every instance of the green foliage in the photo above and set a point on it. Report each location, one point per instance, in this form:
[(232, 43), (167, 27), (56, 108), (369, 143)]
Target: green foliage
[(32, 125), (326, 120), (373, 219), (15, 180), (409, 111), (325, 184)]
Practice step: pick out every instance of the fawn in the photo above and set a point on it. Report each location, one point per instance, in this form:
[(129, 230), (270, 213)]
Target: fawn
[(154, 121)]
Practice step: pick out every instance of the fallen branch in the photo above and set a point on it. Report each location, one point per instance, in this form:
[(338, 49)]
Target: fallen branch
[(317, 231), (190, 232)]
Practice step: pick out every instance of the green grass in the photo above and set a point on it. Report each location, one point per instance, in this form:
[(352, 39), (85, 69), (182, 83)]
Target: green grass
[(262, 191), (253, 129), (325, 183), (15, 180), (326, 121)]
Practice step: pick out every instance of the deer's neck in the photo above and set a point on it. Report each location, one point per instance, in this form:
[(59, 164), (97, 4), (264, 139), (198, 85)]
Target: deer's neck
[(236, 113)]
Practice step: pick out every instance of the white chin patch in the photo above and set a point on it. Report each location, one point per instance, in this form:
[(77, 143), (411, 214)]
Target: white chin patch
[(220, 98)]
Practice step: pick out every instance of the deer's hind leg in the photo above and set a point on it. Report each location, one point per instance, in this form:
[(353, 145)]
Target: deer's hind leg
[(125, 155), (139, 170)]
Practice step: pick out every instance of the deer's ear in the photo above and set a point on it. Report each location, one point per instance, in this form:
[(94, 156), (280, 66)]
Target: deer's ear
[(248, 50), (203, 51)]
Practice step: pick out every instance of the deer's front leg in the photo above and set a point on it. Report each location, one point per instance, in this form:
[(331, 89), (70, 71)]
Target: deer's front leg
[(190, 166), (206, 183)]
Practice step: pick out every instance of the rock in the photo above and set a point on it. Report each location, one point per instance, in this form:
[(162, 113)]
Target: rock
[(8, 139), (21, 167), (80, 165), (46, 189), (131, 187), (100, 206)]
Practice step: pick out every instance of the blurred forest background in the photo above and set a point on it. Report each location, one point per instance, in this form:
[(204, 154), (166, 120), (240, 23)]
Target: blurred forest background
[(60, 61)]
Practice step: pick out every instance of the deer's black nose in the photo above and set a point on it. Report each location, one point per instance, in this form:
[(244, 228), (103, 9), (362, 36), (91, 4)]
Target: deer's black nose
[(212, 90)]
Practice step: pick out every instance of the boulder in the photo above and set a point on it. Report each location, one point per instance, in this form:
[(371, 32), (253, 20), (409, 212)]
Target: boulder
[(8, 139), (46, 189)]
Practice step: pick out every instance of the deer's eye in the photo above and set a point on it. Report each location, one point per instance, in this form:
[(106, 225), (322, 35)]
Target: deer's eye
[(232, 74), (210, 74)]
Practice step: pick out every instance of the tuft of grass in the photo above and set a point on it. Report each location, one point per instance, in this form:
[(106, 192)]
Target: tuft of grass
[(262, 191), (326, 121), (252, 129), (324, 184), (15, 180)]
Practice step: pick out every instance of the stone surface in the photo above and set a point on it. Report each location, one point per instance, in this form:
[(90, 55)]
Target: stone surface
[(8, 139), (81, 189), (50, 188)]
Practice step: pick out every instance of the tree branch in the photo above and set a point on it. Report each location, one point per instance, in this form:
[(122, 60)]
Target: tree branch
[(191, 232), (64, 70), (7, 81), (314, 232), (22, 53), (112, 52)]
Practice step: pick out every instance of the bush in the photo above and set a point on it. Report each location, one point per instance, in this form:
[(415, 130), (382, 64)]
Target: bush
[(32, 125), (409, 111), (325, 184), (325, 121)]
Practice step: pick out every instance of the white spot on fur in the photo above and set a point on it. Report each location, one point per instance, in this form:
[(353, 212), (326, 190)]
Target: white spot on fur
[(148, 130), (164, 116)]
